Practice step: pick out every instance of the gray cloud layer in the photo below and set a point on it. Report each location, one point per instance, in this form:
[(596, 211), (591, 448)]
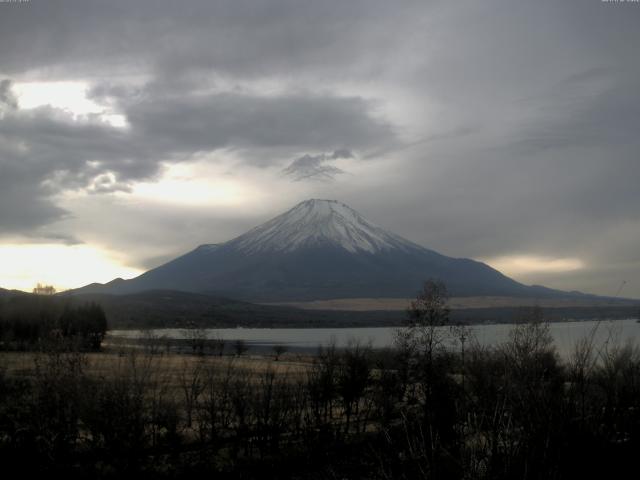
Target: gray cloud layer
[(505, 127)]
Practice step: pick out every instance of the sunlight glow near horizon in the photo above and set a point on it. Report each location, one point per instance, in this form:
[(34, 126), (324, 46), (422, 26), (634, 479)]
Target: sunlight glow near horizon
[(63, 266), (186, 185), (514, 265)]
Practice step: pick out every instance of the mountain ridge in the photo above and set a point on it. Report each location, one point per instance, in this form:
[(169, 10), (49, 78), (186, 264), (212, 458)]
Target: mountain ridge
[(319, 249)]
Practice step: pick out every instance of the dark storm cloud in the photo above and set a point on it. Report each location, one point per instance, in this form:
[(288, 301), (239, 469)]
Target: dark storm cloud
[(23, 206), (208, 122), (43, 152), (183, 122), (7, 99)]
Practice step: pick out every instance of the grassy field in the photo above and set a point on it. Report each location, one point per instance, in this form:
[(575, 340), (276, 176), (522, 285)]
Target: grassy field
[(172, 366)]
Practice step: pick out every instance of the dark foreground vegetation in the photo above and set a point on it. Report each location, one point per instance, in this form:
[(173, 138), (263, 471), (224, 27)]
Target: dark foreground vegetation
[(28, 320), (514, 411)]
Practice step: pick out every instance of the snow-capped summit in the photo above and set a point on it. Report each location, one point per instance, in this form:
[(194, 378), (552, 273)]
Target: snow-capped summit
[(318, 222)]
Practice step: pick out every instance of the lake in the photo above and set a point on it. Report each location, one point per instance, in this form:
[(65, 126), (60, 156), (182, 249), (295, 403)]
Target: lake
[(565, 335)]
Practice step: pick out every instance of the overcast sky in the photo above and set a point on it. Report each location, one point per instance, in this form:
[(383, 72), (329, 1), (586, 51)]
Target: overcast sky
[(133, 131)]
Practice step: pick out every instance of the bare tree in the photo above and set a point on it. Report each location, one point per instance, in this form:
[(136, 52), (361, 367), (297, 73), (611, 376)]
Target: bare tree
[(240, 347), (354, 376), (151, 342), (462, 334), (279, 350), (218, 344), (426, 314), (215, 413), (191, 382), (196, 337)]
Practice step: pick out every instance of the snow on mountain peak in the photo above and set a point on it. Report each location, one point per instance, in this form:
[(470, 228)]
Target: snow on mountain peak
[(319, 222)]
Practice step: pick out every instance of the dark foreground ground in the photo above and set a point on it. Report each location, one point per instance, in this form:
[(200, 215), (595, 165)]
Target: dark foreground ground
[(510, 412)]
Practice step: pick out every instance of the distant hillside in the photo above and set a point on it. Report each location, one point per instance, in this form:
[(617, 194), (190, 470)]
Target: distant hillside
[(11, 293), (175, 309)]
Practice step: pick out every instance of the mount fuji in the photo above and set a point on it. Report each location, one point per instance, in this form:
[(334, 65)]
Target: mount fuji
[(320, 249)]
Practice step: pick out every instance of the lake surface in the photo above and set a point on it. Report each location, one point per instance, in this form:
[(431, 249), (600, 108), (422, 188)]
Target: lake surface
[(565, 335)]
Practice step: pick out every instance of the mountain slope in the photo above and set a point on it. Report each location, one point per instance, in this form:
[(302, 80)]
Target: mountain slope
[(319, 249), (4, 293), (173, 309)]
